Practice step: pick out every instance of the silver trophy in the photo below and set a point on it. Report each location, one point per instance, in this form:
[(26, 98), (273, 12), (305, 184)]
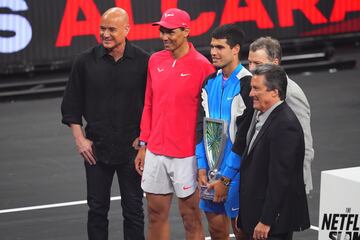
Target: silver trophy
[(215, 135)]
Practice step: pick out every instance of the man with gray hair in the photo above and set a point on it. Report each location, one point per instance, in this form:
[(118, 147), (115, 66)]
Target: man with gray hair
[(273, 201), (268, 50)]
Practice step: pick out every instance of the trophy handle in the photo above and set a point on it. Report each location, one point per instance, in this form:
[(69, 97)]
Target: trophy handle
[(213, 175)]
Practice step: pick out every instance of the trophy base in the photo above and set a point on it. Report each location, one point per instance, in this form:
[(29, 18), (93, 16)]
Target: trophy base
[(206, 194)]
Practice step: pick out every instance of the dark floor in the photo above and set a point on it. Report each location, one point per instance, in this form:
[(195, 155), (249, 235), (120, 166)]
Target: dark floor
[(39, 164)]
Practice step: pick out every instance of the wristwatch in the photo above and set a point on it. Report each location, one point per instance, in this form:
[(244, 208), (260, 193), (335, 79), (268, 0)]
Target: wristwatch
[(142, 143), (226, 181)]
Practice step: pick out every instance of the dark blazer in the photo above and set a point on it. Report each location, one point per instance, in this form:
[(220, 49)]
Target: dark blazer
[(272, 187)]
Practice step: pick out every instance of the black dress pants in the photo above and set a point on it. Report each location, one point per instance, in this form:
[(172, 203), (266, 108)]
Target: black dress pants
[(99, 178), (283, 236), (280, 236)]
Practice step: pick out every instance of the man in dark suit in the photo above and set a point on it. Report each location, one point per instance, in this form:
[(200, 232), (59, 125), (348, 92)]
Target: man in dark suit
[(272, 193)]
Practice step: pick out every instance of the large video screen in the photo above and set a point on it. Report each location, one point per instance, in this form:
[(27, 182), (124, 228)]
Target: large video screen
[(48, 32)]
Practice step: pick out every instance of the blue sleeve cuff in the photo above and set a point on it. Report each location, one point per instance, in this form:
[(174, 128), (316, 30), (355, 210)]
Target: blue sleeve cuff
[(230, 172), (232, 166)]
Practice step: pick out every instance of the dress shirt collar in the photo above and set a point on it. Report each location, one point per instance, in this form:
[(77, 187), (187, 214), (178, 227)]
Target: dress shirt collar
[(263, 116)]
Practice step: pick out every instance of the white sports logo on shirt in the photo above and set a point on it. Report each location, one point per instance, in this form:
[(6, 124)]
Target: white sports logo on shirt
[(184, 74)]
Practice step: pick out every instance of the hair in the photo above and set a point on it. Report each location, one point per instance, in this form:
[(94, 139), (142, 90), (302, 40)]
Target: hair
[(270, 45), (164, 29), (275, 78), (231, 32)]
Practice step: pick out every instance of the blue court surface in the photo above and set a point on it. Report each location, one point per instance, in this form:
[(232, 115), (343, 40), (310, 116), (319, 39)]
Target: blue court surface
[(42, 178)]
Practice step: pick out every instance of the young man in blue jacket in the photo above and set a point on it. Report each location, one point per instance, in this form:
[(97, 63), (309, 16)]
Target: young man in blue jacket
[(225, 96)]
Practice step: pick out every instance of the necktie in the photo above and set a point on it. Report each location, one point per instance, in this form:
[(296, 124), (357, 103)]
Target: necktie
[(255, 129)]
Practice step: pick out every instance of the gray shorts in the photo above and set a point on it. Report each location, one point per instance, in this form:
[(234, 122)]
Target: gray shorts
[(164, 175)]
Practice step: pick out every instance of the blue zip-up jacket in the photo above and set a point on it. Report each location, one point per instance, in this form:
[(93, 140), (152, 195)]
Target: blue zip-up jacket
[(231, 102)]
